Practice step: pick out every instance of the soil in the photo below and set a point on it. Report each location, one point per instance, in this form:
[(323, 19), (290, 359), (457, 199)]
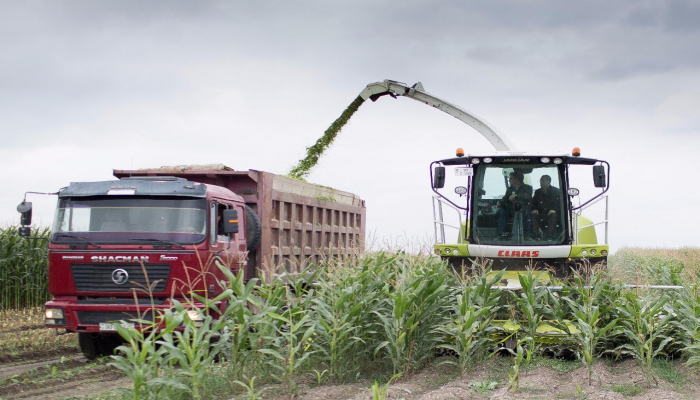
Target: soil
[(58, 377), (621, 380), (75, 376)]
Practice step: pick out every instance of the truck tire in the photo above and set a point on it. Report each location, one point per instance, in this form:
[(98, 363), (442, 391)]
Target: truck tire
[(253, 229), (106, 344), (96, 345), (88, 345)]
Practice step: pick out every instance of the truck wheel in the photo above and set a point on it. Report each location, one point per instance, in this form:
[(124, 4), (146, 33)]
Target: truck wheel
[(253, 229), (106, 344), (88, 345)]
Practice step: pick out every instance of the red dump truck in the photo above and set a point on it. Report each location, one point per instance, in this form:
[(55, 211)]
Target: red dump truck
[(168, 226)]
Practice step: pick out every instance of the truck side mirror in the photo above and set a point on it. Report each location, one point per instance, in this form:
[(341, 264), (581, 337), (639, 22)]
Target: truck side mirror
[(230, 218), (439, 178), (599, 176), (25, 209)]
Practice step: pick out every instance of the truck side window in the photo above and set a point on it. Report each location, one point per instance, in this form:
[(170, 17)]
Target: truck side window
[(221, 236)]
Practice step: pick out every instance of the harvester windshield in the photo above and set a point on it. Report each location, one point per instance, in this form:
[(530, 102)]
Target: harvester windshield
[(120, 220), (517, 203)]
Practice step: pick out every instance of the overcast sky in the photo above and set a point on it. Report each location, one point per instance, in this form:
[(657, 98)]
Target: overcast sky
[(90, 86)]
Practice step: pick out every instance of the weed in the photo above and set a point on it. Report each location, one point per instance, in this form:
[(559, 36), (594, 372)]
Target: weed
[(627, 389), (483, 386)]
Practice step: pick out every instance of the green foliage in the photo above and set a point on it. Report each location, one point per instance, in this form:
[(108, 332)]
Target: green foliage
[(533, 304), (386, 314), (590, 301), (314, 152), (687, 306), (23, 268), (644, 326), (483, 386), (415, 295), (468, 332)]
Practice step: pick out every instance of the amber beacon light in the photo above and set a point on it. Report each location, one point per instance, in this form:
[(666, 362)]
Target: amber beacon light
[(460, 152), (576, 152)]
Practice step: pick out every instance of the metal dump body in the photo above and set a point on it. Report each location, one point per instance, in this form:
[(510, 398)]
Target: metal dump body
[(302, 223)]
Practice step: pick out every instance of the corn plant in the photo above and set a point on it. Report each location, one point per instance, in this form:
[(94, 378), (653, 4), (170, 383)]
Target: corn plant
[(288, 328), (142, 361), (588, 295), (194, 348), (379, 392), (337, 315), (241, 323), (518, 358), (249, 386), (415, 295), (687, 306), (533, 305), (644, 326), (23, 268), (471, 311)]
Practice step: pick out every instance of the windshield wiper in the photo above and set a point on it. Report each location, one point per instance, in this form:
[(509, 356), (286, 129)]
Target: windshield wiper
[(161, 241), (78, 237)]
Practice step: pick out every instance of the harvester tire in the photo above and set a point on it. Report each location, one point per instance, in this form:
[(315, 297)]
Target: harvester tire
[(253, 229)]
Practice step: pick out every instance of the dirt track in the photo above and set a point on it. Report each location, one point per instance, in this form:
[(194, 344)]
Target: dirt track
[(74, 376), (58, 377)]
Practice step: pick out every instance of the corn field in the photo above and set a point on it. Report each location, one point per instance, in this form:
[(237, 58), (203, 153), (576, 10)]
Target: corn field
[(23, 269), (390, 315)]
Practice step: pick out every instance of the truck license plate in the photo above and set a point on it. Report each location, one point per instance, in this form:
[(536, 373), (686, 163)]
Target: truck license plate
[(106, 326)]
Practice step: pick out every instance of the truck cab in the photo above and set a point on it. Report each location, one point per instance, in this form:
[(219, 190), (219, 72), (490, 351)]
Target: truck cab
[(118, 249)]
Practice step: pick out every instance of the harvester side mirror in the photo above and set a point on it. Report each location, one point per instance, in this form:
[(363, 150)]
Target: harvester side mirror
[(439, 178), (599, 176), (230, 218), (25, 210)]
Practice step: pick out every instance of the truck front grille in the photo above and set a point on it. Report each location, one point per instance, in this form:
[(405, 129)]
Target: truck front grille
[(99, 277), (95, 317)]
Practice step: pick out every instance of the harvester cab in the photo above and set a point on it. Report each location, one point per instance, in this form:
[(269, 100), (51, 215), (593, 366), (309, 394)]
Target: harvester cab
[(519, 211)]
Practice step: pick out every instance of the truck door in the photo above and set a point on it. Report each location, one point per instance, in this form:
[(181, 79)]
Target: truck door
[(220, 240)]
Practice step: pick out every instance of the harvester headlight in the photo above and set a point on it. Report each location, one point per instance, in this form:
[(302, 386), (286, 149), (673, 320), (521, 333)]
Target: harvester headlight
[(545, 160), (438, 251), (488, 160), (603, 252), (475, 161), (584, 252), (593, 252), (460, 190), (447, 251), (572, 192), (455, 252), (558, 160)]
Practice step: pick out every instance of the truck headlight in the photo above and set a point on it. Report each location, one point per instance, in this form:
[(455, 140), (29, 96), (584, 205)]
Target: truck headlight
[(54, 313), (54, 316), (196, 317)]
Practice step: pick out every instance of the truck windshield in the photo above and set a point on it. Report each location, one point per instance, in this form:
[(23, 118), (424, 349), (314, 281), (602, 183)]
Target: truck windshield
[(128, 219), (518, 205)]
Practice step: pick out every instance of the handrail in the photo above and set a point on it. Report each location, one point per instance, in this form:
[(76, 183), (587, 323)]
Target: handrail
[(440, 222)]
